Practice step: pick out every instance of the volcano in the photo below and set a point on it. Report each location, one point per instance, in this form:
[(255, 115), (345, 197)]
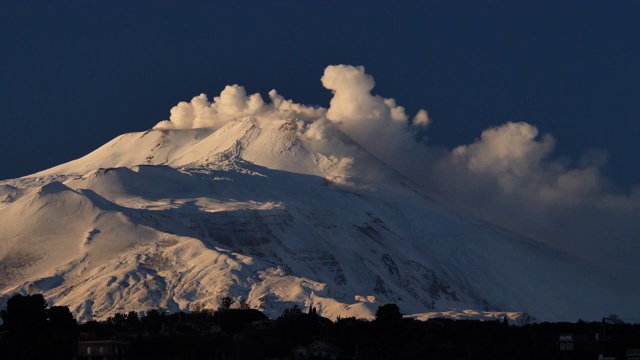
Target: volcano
[(261, 209)]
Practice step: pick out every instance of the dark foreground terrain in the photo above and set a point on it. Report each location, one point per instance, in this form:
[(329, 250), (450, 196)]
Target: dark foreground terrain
[(31, 330)]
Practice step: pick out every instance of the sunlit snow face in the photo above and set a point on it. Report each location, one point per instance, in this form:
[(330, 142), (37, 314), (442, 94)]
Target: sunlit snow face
[(506, 176)]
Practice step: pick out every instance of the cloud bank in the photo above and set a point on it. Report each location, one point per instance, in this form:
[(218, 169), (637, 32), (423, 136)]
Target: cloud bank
[(508, 176)]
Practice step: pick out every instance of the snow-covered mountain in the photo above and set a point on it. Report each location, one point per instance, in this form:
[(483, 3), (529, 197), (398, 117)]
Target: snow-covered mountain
[(281, 203), (256, 210)]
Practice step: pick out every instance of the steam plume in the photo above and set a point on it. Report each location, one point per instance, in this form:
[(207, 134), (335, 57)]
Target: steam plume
[(507, 176)]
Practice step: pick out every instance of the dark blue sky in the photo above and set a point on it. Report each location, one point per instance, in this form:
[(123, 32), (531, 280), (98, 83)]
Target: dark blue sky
[(73, 75)]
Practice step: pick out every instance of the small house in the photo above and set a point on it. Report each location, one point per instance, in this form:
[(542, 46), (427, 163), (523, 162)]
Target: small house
[(111, 349), (566, 342), (316, 350)]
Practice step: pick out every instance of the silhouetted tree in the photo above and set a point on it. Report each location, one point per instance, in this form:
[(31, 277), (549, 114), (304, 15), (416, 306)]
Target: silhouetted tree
[(226, 303), (505, 321), (614, 319), (234, 320), (133, 320), (290, 313), (25, 314), (118, 320), (388, 313), (153, 321), (61, 320), (35, 332), (242, 304)]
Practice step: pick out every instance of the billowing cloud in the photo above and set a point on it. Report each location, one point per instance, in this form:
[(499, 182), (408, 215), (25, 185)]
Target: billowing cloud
[(375, 123), (517, 160), (508, 176), (510, 149), (232, 103), (513, 159)]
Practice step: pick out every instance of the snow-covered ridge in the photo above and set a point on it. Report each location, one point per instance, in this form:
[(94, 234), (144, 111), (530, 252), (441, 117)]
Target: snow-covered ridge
[(259, 210), (281, 203), (274, 144)]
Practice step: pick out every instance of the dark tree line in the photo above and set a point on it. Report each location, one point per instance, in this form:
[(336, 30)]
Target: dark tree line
[(31, 330)]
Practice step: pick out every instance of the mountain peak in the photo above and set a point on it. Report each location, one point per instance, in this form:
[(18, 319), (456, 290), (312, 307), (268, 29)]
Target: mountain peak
[(279, 144), (278, 204)]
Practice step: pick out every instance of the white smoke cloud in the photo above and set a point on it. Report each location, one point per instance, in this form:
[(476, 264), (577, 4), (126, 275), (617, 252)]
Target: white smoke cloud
[(513, 160), (421, 119), (508, 176), (375, 123), (510, 149), (232, 103)]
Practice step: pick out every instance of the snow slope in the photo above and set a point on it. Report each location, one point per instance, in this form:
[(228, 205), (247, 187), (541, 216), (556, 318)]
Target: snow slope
[(256, 210)]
